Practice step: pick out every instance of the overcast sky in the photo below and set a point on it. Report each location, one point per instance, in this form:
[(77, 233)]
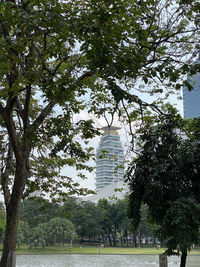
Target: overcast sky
[(90, 181)]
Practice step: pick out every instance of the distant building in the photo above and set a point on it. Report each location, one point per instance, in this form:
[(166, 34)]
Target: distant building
[(109, 158), (191, 99), (111, 192)]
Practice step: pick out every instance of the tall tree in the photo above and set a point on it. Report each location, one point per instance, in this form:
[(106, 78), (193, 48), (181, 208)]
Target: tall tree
[(86, 220), (165, 176), (57, 54), (38, 236), (106, 220), (59, 229), (120, 220), (23, 233), (38, 210)]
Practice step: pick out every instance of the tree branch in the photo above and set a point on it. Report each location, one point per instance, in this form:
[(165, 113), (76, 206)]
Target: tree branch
[(44, 113), (26, 107), (83, 76), (5, 174), (59, 64), (42, 59)]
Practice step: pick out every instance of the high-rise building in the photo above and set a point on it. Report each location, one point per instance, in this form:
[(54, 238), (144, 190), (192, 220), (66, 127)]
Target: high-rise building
[(191, 99), (109, 158)]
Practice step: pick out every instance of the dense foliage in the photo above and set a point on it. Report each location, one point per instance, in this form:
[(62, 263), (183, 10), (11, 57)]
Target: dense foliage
[(166, 176), (43, 223)]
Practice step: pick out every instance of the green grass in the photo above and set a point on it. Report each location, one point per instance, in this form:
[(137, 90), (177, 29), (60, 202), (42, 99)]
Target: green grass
[(93, 250)]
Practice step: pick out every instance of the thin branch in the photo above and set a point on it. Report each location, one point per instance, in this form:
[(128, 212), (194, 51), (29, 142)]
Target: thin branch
[(129, 121), (42, 59), (112, 118), (26, 107), (59, 64)]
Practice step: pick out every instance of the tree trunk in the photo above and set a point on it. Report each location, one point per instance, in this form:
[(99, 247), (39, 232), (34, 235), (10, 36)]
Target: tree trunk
[(114, 234), (135, 240), (114, 240), (126, 238), (109, 238), (183, 258), (139, 238), (127, 241), (12, 213), (9, 247), (121, 240)]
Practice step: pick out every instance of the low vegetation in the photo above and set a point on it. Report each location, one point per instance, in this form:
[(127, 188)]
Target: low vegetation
[(95, 250)]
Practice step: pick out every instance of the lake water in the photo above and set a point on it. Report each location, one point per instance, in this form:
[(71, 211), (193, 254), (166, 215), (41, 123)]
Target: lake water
[(74, 260)]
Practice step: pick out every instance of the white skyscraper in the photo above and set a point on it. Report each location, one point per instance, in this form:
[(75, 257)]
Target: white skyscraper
[(109, 158)]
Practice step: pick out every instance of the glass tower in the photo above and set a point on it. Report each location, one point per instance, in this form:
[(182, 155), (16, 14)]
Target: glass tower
[(109, 158), (191, 99)]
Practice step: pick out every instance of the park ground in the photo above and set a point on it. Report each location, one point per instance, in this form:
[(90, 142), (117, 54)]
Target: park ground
[(96, 250)]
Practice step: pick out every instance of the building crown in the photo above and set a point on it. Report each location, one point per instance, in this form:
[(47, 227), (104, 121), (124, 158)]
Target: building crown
[(110, 130)]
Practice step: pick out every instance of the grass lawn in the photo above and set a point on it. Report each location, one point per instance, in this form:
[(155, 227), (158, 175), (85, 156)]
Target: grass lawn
[(94, 250)]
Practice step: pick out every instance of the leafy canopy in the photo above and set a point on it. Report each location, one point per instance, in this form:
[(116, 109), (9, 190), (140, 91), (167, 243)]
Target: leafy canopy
[(165, 176), (59, 58)]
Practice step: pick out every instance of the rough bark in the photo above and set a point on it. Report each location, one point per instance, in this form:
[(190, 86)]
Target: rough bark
[(10, 235), (12, 213), (13, 198)]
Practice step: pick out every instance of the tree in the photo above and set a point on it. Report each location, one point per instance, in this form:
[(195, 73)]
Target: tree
[(69, 207), (94, 222), (38, 210), (86, 220), (43, 223), (165, 176), (145, 228), (38, 236), (120, 220), (33, 65), (113, 220), (58, 229), (23, 233), (56, 54), (106, 220)]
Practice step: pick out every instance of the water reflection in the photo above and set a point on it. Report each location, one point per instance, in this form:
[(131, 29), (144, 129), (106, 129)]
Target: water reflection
[(62, 260)]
